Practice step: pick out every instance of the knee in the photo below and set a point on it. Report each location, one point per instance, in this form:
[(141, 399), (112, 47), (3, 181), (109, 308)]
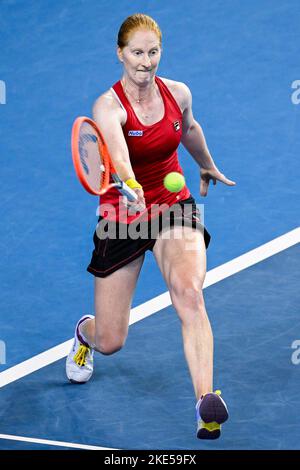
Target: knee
[(187, 297), (109, 345)]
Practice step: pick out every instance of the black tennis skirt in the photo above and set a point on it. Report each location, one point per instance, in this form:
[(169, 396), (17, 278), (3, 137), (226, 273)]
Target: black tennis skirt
[(117, 244)]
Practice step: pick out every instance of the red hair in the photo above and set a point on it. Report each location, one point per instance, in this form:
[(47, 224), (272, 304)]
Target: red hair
[(135, 22)]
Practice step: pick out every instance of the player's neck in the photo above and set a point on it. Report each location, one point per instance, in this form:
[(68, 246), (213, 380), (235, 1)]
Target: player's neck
[(136, 93)]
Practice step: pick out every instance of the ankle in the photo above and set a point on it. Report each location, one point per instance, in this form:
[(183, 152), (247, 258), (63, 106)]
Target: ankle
[(83, 328), (203, 392), (84, 332)]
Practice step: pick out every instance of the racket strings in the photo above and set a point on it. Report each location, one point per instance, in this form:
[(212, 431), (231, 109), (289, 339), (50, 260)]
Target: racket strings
[(92, 157)]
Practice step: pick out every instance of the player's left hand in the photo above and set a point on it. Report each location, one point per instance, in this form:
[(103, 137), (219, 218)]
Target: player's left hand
[(214, 175), (136, 206)]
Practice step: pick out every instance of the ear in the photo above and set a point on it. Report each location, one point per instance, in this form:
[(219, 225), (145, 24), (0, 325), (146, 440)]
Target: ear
[(119, 54)]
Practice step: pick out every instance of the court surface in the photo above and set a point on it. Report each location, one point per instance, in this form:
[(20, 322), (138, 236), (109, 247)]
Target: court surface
[(240, 61)]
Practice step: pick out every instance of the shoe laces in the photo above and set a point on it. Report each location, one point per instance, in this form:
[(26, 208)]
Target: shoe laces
[(80, 356)]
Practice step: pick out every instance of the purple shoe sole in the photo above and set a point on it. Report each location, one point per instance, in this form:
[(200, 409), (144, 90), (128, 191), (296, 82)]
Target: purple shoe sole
[(205, 434)]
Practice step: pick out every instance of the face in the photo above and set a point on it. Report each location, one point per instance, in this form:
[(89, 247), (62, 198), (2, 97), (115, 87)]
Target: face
[(141, 56)]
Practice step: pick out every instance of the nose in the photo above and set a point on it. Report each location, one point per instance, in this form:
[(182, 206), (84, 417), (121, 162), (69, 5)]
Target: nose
[(146, 62)]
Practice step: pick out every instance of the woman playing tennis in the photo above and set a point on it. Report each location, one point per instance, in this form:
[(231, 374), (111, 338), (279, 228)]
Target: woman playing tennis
[(143, 119)]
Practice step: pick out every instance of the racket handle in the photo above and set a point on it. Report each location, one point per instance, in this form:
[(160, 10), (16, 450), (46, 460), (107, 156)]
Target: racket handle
[(126, 191), (124, 188)]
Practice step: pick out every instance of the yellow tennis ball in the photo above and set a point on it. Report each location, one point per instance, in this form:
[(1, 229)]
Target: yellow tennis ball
[(174, 182)]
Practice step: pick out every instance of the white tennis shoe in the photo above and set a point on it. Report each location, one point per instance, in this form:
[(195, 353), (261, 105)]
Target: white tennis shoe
[(80, 362)]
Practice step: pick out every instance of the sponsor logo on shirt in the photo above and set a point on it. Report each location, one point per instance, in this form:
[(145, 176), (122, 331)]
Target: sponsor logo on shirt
[(176, 125), (135, 133)]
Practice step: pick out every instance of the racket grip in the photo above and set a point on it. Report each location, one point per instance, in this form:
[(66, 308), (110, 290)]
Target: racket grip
[(128, 192)]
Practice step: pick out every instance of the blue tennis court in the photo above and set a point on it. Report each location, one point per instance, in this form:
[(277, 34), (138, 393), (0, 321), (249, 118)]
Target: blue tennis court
[(240, 61)]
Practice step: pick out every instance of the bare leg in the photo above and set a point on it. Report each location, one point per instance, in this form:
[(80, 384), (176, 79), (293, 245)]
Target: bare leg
[(113, 298), (183, 265), (198, 349)]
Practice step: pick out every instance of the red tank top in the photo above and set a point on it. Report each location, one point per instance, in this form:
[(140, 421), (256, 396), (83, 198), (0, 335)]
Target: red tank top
[(153, 154)]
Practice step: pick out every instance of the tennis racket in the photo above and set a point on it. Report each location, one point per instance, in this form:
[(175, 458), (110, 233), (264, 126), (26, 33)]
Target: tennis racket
[(92, 161)]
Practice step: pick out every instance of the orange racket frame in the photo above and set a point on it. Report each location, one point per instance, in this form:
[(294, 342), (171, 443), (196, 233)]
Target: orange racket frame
[(107, 163)]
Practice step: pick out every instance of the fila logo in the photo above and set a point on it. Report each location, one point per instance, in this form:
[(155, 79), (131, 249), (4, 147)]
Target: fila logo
[(176, 125), (135, 133)]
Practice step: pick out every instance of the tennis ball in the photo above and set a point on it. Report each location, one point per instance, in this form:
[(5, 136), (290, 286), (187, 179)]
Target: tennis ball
[(174, 182)]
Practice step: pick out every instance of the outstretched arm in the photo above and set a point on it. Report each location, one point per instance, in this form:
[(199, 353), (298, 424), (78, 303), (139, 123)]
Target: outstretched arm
[(107, 115)]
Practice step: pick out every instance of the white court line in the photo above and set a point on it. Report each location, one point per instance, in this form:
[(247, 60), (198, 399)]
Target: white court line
[(52, 443), (158, 303)]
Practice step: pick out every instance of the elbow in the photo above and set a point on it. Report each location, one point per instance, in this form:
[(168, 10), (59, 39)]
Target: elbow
[(187, 132), (192, 127)]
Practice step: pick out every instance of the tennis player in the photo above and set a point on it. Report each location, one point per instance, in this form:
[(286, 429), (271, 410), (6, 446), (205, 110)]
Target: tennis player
[(144, 118)]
